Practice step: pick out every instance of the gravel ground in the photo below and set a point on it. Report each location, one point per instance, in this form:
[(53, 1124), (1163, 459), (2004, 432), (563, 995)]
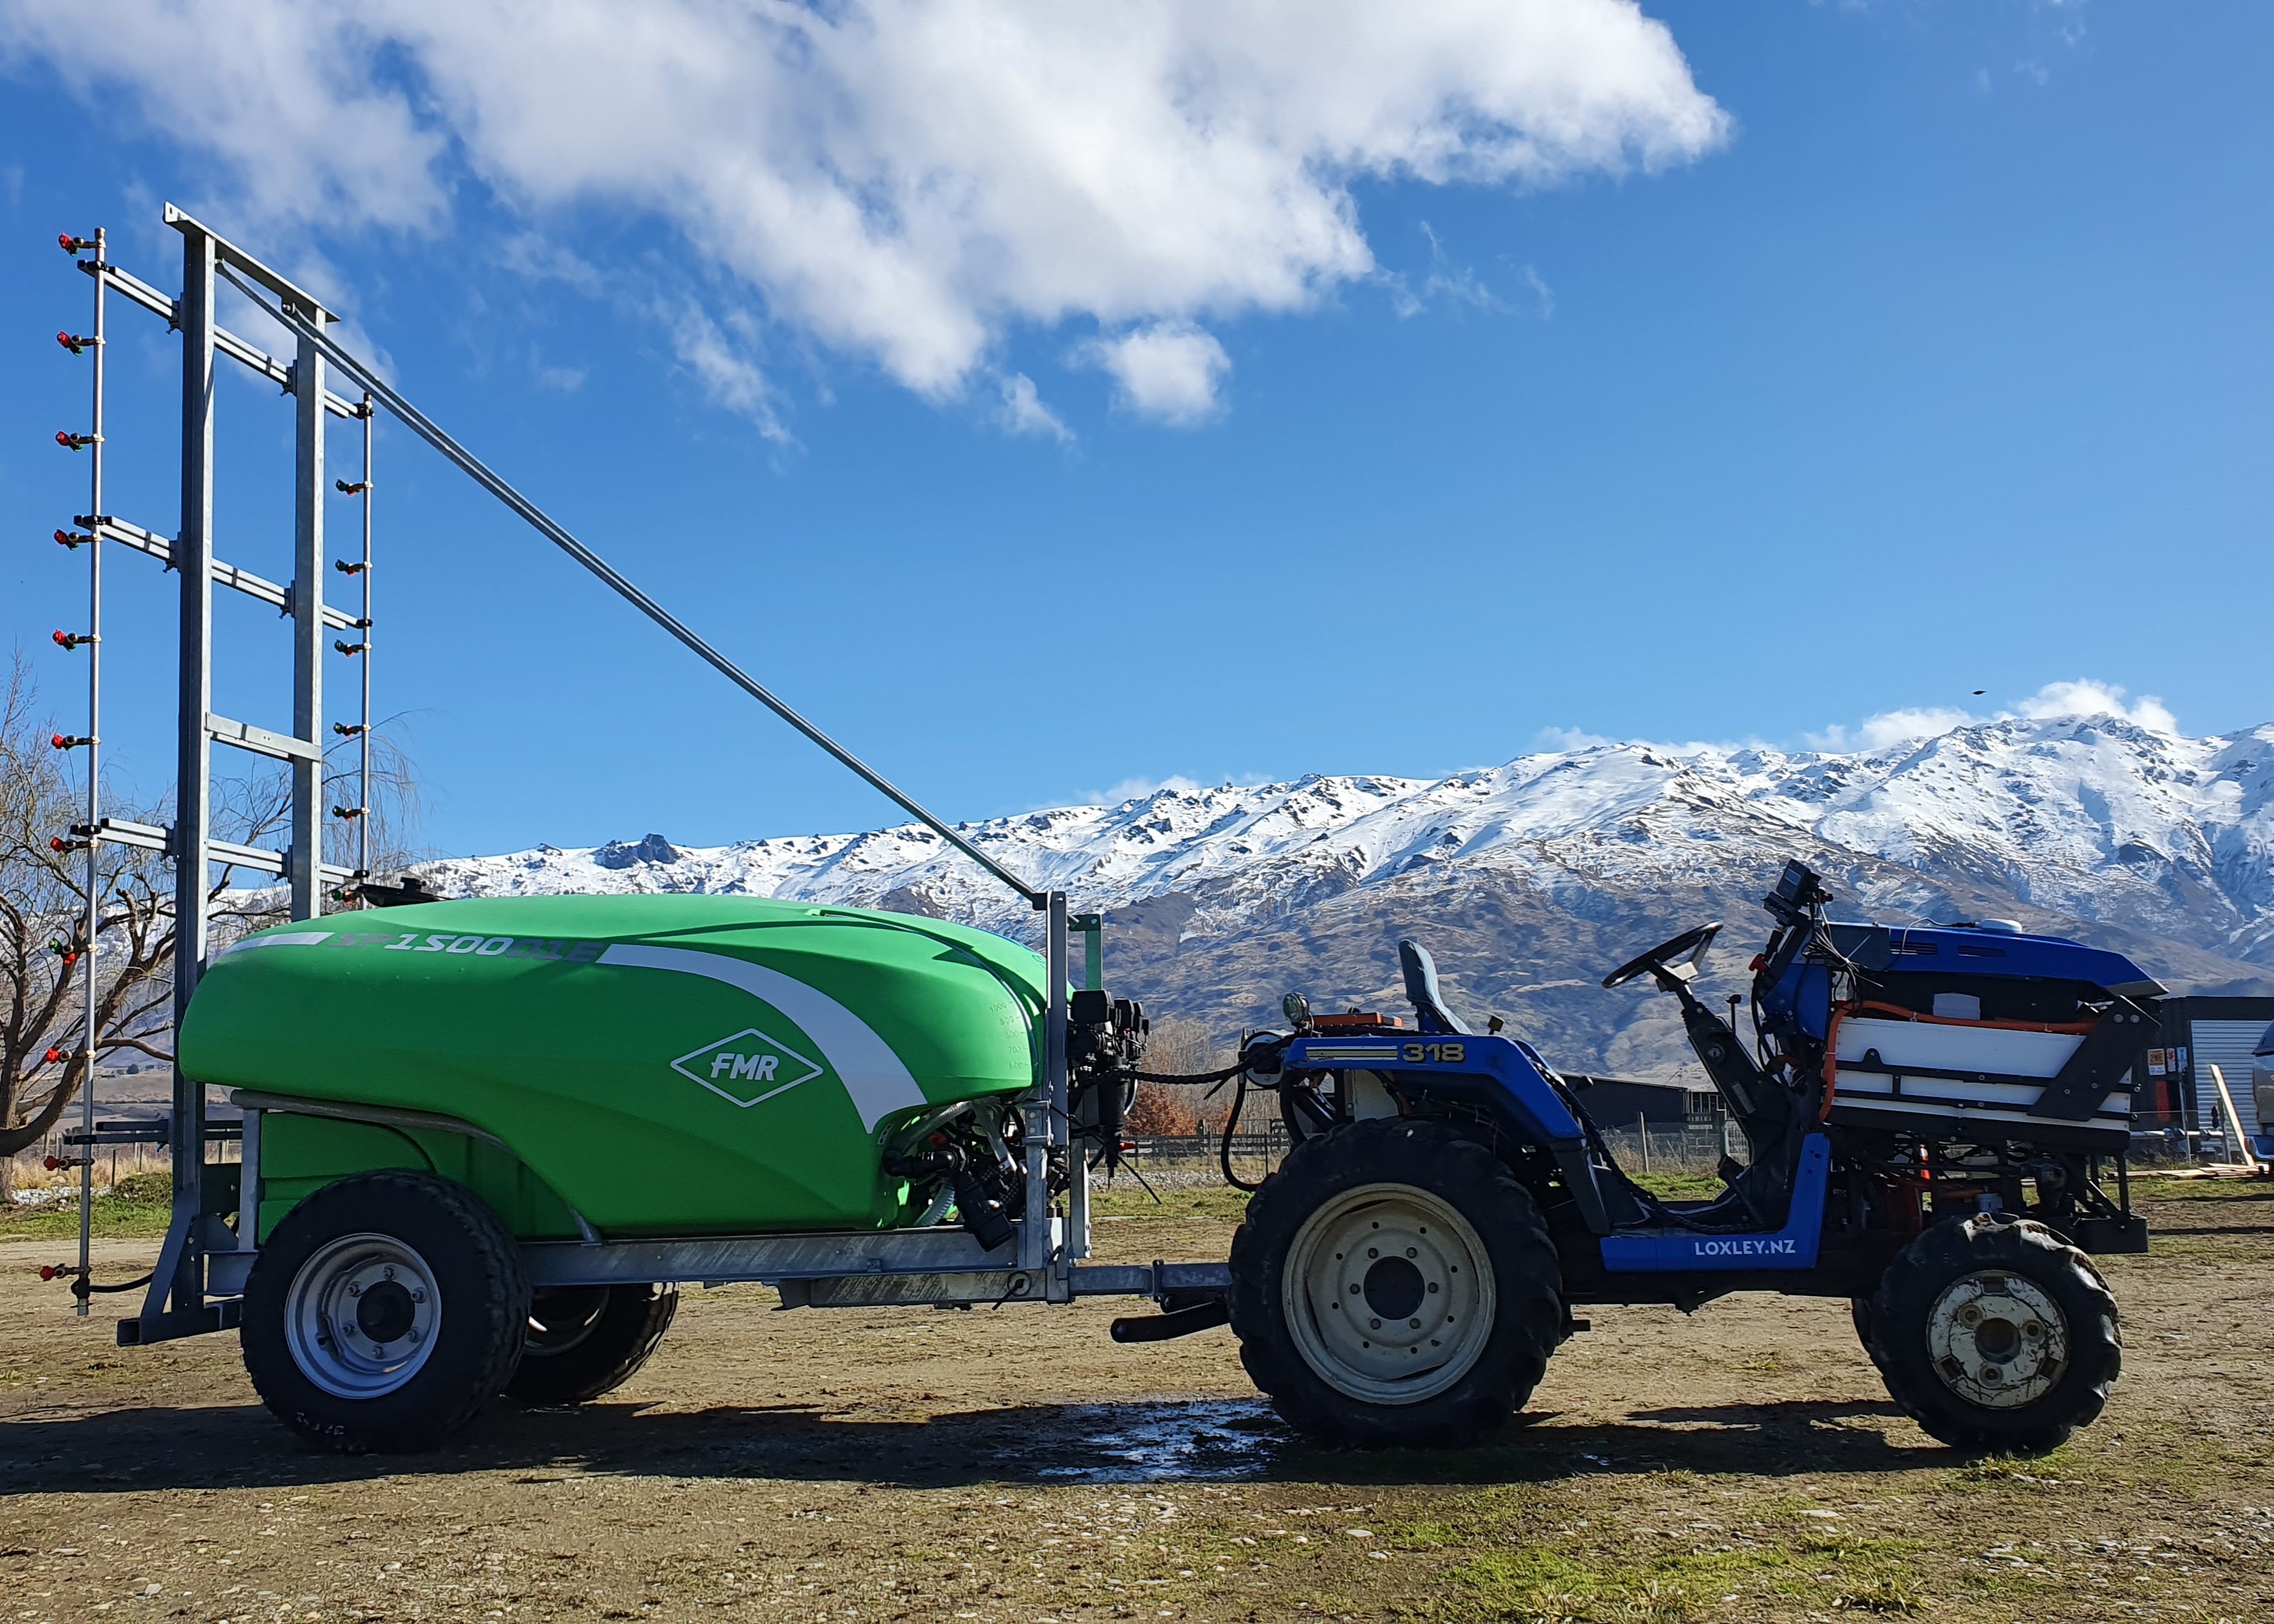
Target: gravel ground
[(1741, 1463)]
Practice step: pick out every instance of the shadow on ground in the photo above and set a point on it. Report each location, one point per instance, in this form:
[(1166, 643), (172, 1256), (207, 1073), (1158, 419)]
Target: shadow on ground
[(132, 1450)]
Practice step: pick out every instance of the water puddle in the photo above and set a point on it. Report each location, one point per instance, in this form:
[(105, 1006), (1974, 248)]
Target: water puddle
[(1197, 1441)]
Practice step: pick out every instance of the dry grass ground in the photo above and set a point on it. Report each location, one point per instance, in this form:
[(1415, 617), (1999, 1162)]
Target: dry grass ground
[(1739, 1464)]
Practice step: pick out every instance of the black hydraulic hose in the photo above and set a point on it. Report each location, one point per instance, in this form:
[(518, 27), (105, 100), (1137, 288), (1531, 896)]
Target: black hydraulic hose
[(81, 1285), (1223, 1146), (1186, 1078)]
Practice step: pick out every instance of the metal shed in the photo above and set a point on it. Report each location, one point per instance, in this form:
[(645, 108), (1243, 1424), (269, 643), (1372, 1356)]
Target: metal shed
[(2199, 1033)]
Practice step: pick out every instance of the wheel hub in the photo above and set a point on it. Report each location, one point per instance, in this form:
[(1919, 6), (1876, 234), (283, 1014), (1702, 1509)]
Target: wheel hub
[(361, 1316), (1997, 1339), (1388, 1294), (1394, 1287), (386, 1312)]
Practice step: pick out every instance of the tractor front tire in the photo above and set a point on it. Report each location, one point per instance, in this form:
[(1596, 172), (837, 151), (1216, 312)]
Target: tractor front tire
[(1995, 1335), (384, 1313), (584, 1341), (1394, 1286)]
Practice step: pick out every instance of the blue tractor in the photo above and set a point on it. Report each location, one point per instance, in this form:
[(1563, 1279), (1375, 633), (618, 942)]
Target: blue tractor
[(1934, 1116)]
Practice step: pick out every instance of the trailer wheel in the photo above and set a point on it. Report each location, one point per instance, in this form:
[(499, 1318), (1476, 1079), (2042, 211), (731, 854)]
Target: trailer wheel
[(1994, 1334), (1393, 1285), (584, 1341), (384, 1313)]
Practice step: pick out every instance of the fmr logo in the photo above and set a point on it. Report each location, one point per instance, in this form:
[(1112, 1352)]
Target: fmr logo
[(748, 1068)]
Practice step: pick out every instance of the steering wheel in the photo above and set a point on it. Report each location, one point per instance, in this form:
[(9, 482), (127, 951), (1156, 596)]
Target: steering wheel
[(1689, 946)]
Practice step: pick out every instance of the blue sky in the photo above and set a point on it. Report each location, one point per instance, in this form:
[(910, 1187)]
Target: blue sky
[(1850, 360)]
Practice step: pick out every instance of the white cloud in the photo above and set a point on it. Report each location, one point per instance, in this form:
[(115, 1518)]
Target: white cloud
[(1169, 371), (2081, 697), (1540, 291), (1024, 413), (726, 370), (1566, 739), (2086, 697), (1447, 279), (910, 182), (568, 380), (1138, 789), (1891, 728)]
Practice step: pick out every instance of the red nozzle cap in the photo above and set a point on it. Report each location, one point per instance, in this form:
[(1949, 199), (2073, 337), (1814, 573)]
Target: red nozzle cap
[(59, 742), (54, 1055), (47, 1271), (72, 245), (63, 439), (51, 1163)]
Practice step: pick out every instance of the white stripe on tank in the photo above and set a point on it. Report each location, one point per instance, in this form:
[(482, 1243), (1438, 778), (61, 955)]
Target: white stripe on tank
[(874, 1076), (289, 938)]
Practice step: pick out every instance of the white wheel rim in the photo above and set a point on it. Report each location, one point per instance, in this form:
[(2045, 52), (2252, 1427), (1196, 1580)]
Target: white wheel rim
[(1997, 1339), (1374, 1250), (362, 1315)]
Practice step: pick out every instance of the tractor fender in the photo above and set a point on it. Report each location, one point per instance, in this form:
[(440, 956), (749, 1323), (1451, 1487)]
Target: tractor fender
[(1505, 1076)]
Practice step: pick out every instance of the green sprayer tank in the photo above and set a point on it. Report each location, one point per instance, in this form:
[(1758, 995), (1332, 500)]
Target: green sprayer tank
[(663, 1065)]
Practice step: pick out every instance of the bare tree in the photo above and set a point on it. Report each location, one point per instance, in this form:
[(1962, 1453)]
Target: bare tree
[(1177, 1048), (43, 910), (43, 931)]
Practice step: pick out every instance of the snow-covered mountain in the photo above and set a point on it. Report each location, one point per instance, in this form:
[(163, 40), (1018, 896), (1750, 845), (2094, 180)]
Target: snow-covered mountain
[(1531, 878)]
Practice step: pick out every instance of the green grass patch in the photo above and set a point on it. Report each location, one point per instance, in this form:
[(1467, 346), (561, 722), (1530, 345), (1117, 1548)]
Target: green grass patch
[(1998, 1470), (1128, 1199), (1678, 1187), (1543, 1586), (2163, 1187), (136, 1209), (1819, 1567)]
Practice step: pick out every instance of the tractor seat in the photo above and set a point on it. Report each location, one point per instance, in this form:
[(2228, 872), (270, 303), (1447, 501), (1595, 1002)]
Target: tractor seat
[(1429, 1010)]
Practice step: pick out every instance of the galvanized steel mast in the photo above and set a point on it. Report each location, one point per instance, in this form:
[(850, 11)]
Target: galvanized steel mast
[(91, 946)]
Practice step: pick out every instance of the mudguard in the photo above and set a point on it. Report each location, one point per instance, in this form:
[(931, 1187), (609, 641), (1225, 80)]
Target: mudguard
[(1504, 1075)]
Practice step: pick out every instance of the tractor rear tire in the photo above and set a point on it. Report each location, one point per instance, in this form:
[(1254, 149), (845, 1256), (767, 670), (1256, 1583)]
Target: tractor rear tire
[(384, 1313), (1393, 1286), (1859, 1310), (1996, 1336), (584, 1341)]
